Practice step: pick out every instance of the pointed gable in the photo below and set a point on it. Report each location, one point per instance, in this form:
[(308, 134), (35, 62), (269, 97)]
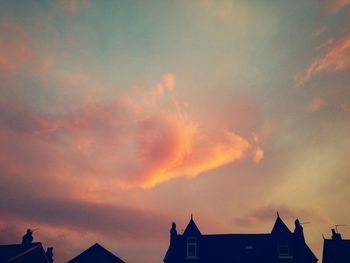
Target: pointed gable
[(280, 227), (96, 253), (192, 229)]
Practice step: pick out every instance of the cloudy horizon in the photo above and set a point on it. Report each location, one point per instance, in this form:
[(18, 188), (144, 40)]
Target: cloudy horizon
[(119, 117)]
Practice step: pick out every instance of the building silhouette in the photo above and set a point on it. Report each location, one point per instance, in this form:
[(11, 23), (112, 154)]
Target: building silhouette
[(279, 246), (27, 251), (336, 249), (96, 253)]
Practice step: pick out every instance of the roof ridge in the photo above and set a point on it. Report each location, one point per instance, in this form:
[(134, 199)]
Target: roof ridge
[(25, 252)]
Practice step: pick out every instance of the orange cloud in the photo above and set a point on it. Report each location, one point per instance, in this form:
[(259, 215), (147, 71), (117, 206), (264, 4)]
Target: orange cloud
[(74, 5), (337, 58), (258, 155), (316, 104), (131, 142), (335, 5), (15, 50)]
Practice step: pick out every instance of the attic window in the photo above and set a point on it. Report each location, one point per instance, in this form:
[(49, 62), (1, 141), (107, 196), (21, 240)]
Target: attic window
[(283, 248), (191, 247)]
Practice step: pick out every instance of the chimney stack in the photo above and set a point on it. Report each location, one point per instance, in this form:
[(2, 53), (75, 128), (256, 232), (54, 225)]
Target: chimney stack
[(49, 254), (298, 231), (335, 235), (173, 234), (27, 239)]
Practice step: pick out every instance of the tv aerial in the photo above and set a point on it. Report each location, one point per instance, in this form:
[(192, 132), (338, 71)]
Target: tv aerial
[(337, 225)]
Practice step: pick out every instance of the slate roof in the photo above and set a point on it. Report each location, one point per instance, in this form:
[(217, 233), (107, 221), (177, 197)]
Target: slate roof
[(96, 253), (14, 253), (336, 251), (192, 229), (280, 227), (239, 248)]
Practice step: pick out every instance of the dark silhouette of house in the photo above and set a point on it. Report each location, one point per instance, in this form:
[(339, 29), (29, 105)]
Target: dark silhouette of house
[(96, 253), (336, 250), (279, 246), (27, 251)]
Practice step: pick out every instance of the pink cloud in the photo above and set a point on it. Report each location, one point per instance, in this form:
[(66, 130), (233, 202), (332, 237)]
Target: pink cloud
[(258, 155), (316, 104), (74, 5), (336, 58), (15, 50), (335, 5), (128, 147)]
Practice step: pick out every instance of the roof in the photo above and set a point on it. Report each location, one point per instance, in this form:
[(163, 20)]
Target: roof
[(33, 252), (243, 248), (280, 227), (231, 247), (337, 251), (96, 253), (192, 229), (225, 247)]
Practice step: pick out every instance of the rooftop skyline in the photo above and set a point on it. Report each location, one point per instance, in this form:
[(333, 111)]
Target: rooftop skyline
[(120, 117)]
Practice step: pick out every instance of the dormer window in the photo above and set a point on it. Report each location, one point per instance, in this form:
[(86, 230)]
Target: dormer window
[(283, 248), (192, 247)]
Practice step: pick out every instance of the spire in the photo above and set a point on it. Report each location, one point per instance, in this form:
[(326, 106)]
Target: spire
[(280, 227), (192, 229)]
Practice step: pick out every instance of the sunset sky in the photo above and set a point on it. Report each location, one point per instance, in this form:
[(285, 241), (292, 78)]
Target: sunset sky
[(119, 117)]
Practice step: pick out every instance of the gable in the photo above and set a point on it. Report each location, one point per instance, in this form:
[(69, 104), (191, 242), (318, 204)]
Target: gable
[(96, 253)]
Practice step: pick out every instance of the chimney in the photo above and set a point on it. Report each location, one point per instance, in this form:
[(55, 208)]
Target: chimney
[(173, 234), (298, 231), (27, 239), (49, 254), (336, 236)]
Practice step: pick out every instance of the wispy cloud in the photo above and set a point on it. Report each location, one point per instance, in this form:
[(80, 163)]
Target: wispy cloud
[(74, 5), (335, 5), (131, 142), (316, 104), (336, 58), (15, 48)]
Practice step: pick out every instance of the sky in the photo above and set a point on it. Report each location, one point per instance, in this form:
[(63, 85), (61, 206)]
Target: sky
[(120, 117)]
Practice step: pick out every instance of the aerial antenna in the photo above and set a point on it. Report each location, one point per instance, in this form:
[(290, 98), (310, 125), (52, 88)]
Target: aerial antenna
[(336, 227)]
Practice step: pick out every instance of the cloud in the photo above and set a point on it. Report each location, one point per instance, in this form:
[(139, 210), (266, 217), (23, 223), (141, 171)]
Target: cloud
[(74, 5), (101, 218), (268, 213), (258, 155), (335, 5), (15, 50), (336, 58), (316, 104), (128, 147)]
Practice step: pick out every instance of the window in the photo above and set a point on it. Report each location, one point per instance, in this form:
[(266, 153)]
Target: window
[(283, 248), (191, 247)]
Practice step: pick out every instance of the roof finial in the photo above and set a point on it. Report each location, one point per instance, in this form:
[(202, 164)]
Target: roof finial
[(191, 216), (278, 215)]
